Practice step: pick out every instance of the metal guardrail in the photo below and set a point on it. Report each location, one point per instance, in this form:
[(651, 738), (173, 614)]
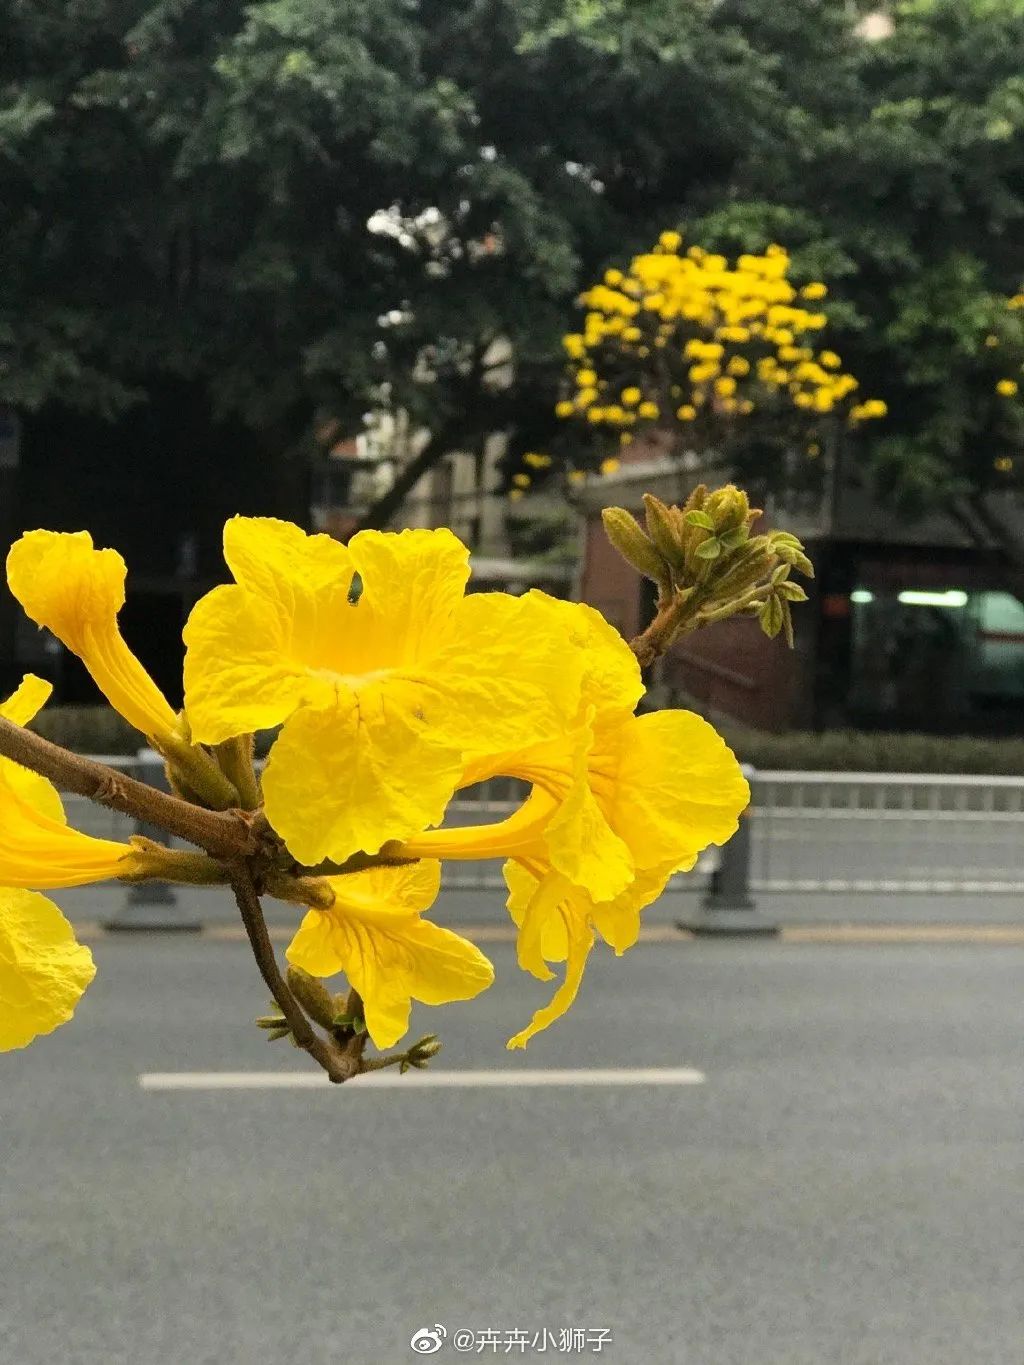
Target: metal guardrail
[(880, 832), (818, 832)]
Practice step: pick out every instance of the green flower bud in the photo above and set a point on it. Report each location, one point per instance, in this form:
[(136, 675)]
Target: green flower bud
[(625, 533)]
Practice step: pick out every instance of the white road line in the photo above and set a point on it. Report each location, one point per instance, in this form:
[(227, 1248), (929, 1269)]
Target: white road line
[(414, 1080)]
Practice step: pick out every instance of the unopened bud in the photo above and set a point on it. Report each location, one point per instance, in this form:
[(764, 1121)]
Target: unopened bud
[(421, 1052), (626, 534), (312, 995), (728, 507), (665, 527)]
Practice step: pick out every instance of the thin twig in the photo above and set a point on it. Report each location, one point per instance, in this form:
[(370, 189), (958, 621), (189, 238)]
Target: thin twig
[(338, 1065), (225, 834)]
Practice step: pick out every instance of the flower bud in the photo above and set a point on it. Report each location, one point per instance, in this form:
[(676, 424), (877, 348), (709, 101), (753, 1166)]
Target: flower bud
[(313, 996), (665, 528), (625, 533)]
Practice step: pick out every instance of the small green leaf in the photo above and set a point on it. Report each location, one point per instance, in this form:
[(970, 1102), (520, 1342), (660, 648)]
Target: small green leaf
[(733, 539), (791, 592), (710, 549), (771, 616), (700, 519)]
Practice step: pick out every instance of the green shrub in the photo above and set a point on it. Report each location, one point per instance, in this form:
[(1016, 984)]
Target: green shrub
[(875, 751)]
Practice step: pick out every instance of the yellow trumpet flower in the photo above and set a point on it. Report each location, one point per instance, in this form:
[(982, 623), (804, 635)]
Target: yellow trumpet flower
[(375, 933), (386, 676), (617, 804), (38, 849), (43, 970), (76, 592)]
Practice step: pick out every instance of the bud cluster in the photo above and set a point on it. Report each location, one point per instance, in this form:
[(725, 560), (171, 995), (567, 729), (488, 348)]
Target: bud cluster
[(708, 566)]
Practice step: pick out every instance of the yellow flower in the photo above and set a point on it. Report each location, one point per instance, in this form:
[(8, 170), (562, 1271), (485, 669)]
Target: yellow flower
[(725, 387), (671, 241), (391, 955), (613, 278), (577, 476), (830, 360), (1003, 464), (38, 849), (739, 365), (521, 480), (515, 495), (625, 438), (586, 379), (1007, 388), (386, 677), (536, 459), (631, 396), (686, 413), (614, 810), (44, 971), (565, 408), (616, 805), (815, 290), (557, 923), (76, 592), (631, 334), (648, 409), (610, 465)]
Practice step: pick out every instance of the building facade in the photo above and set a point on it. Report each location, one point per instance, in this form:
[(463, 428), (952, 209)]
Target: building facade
[(907, 627)]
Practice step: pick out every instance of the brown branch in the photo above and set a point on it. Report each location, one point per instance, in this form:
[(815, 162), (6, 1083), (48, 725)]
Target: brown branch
[(338, 1066), (225, 834)]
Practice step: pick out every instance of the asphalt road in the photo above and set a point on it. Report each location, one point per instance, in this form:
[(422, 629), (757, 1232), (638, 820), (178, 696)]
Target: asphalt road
[(844, 1188)]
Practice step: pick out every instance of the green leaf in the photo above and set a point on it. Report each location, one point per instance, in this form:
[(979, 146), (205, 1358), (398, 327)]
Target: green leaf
[(772, 615), (709, 549), (700, 519)]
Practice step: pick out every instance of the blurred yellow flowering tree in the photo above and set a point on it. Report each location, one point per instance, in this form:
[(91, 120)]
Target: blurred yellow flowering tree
[(685, 341), (393, 689)]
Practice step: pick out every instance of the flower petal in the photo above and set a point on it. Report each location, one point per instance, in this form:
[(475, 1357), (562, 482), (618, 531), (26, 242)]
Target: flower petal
[(412, 583), (279, 561), (580, 842), (389, 954), (28, 699), (19, 708), (43, 970), (618, 920), (352, 776), (37, 848), (502, 679), (240, 675), (677, 788), (580, 938)]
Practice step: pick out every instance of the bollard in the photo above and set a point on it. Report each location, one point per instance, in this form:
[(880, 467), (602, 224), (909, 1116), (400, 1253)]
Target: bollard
[(727, 906), (151, 905)]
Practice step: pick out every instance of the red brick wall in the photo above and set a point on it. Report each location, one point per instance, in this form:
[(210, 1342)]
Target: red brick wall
[(608, 582)]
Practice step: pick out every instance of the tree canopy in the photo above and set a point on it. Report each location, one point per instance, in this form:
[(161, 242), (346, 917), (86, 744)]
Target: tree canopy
[(315, 207)]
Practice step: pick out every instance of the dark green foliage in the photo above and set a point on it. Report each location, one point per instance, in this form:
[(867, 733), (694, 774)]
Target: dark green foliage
[(185, 191)]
